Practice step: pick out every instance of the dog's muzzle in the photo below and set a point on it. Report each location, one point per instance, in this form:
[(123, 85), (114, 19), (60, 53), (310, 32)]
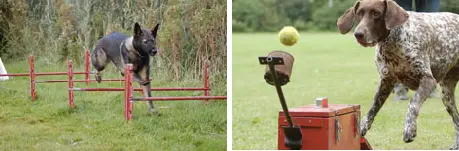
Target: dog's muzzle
[(153, 52)]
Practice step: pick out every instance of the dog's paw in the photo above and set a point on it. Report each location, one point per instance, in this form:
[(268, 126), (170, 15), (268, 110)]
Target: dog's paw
[(454, 147), (410, 133), (98, 78), (401, 97), (364, 126), (154, 111)]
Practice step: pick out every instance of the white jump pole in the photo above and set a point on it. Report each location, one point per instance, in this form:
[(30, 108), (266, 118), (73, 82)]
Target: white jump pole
[(3, 71)]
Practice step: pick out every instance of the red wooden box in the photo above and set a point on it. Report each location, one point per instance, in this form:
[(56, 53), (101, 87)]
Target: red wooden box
[(335, 127)]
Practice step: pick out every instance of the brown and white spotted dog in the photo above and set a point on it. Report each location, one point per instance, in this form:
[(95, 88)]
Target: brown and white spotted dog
[(415, 49)]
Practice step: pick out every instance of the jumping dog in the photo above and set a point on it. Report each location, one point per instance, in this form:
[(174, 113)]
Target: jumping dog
[(121, 49)]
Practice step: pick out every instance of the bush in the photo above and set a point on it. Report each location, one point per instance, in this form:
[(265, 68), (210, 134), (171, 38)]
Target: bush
[(190, 32), (271, 15), (324, 18)]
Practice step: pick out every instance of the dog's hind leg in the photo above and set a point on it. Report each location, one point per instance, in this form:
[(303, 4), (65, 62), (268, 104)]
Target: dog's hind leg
[(384, 89), (119, 64), (448, 86), (99, 61), (426, 86)]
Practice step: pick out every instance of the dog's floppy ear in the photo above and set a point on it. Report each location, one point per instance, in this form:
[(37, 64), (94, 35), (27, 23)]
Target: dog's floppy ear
[(137, 30), (395, 15), (154, 32), (346, 21)]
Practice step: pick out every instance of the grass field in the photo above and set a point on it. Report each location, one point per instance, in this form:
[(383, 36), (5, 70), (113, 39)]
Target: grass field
[(326, 64), (98, 122)]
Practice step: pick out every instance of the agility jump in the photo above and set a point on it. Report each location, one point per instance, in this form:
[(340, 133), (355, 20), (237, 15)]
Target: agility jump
[(32, 75), (128, 90)]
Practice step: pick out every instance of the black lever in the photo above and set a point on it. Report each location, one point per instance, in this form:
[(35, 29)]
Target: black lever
[(293, 136)]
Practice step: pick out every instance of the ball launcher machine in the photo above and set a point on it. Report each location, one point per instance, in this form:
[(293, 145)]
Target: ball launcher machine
[(318, 126)]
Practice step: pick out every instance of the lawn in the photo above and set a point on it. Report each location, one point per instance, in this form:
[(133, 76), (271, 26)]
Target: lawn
[(98, 122), (326, 64)]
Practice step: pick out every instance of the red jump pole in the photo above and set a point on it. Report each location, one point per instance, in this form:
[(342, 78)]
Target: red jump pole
[(57, 81), (206, 79), (180, 98), (128, 106), (44, 74), (56, 73), (70, 84), (86, 66), (130, 92), (139, 89), (32, 77), (16, 75), (126, 97)]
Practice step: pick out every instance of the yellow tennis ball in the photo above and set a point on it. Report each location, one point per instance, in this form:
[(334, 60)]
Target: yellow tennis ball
[(289, 36)]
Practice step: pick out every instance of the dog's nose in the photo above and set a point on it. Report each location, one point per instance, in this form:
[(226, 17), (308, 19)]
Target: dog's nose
[(358, 35), (153, 52)]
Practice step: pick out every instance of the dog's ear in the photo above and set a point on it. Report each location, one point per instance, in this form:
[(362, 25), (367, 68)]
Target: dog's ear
[(346, 21), (154, 32), (137, 30), (395, 15)]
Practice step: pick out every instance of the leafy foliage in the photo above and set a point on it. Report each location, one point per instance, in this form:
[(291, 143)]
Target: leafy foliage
[(190, 32)]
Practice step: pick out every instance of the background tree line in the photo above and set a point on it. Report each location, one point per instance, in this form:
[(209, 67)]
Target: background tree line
[(315, 15), (57, 30)]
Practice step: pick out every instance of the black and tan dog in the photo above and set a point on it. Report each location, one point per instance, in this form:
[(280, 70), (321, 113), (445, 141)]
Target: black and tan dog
[(122, 49)]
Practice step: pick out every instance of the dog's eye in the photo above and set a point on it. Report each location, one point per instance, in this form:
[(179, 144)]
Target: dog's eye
[(144, 41), (359, 15), (376, 14)]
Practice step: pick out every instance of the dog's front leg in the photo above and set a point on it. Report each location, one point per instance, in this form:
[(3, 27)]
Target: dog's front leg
[(144, 81), (147, 93), (426, 85), (384, 89)]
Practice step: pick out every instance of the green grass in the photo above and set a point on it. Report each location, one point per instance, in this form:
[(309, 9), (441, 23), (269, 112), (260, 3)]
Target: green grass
[(326, 64), (98, 122)]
